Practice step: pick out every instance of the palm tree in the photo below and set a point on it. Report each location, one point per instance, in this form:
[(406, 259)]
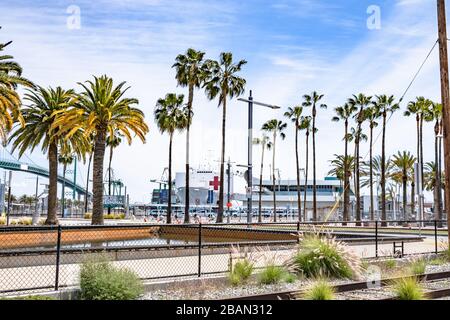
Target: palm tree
[(265, 143), (430, 181), (313, 101), (357, 136), (384, 105), (276, 128), (306, 124), (40, 130), (295, 114), (223, 82), (403, 163), (171, 115), (339, 166), (362, 101), (344, 113), (10, 79), (112, 141), (434, 113), (190, 72), (101, 109), (371, 114), (65, 158), (419, 108)]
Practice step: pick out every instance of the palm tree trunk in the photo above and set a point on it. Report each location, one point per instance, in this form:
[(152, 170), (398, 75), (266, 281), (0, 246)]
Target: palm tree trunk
[(299, 200), (439, 168), (169, 204), (413, 201), (260, 184), (63, 191), (405, 199), (186, 192), (86, 195), (52, 218), (372, 214), (222, 161), (97, 185), (273, 178), (306, 176), (358, 196), (383, 172), (421, 150), (314, 166), (346, 179), (109, 175)]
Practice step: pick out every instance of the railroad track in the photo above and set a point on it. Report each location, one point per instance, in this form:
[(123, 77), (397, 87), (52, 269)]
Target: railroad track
[(359, 286)]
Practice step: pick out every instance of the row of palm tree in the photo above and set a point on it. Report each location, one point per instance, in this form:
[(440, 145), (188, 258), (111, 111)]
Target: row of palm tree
[(220, 80), (64, 124)]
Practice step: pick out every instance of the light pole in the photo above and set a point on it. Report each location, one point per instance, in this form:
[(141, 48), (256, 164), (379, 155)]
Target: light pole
[(251, 102)]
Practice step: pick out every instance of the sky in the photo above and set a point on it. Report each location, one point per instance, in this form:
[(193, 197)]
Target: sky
[(293, 47)]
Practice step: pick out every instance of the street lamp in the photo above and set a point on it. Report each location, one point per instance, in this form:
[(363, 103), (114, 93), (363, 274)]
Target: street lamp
[(251, 102)]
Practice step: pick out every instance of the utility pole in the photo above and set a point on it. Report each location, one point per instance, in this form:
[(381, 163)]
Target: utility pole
[(443, 57)]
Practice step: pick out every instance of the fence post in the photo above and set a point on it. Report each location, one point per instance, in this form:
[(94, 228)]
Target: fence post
[(298, 232), (376, 239), (58, 252), (199, 249), (436, 236)]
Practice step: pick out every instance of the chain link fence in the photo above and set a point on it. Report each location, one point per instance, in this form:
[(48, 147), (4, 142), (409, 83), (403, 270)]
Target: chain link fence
[(33, 259)]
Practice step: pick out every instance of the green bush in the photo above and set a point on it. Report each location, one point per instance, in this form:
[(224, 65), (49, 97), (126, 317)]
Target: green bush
[(320, 290), (390, 264), (409, 289), (418, 266), (324, 257), (290, 277), (271, 274), (241, 271), (103, 281)]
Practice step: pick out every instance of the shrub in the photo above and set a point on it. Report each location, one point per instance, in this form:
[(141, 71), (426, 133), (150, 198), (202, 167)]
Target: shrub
[(409, 289), (289, 277), (446, 254), (241, 271), (390, 264), (418, 266), (271, 274), (103, 281), (320, 290), (2, 220), (319, 256), (25, 221), (30, 298), (88, 215)]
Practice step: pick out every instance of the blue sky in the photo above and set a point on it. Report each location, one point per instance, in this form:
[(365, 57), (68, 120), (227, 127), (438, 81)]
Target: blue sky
[(292, 46)]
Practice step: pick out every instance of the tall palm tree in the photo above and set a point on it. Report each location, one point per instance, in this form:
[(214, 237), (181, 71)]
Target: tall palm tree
[(295, 114), (306, 124), (384, 105), (276, 128), (403, 163), (112, 141), (265, 143), (171, 115), (10, 103), (313, 101), (344, 113), (101, 109), (362, 101), (434, 113), (40, 130), (371, 115), (190, 72), (418, 108), (223, 82), (357, 136), (65, 158), (339, 165)]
